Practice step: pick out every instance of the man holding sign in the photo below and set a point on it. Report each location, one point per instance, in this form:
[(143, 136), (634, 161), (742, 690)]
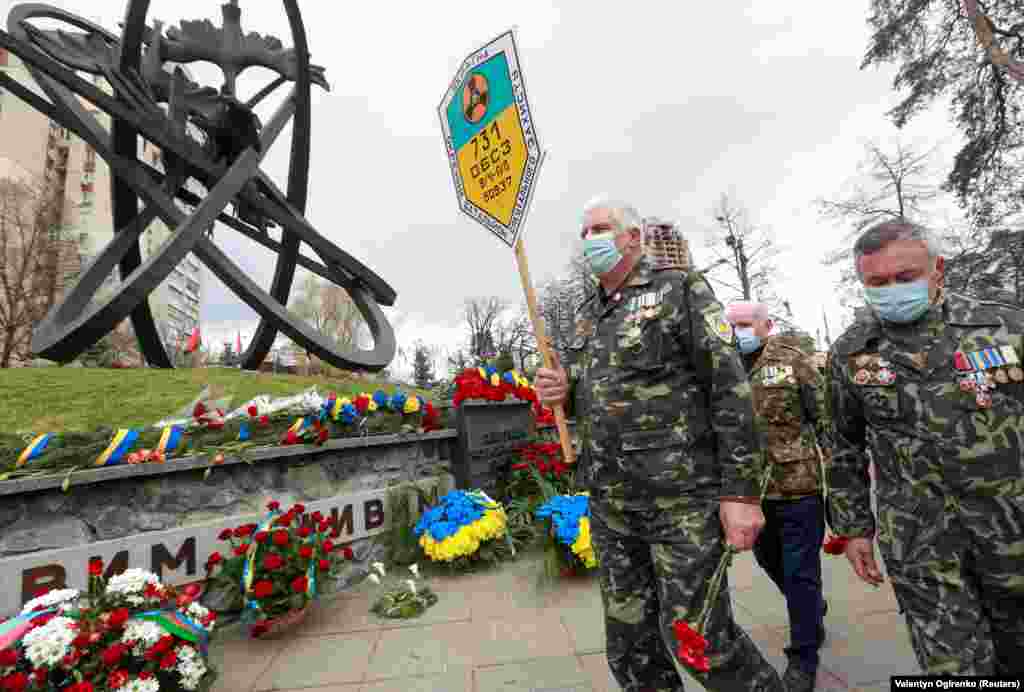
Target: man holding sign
[(668, 453)]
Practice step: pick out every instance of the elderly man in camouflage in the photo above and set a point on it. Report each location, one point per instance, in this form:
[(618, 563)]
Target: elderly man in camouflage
[(932, 386), (667, 453), (790, 411)]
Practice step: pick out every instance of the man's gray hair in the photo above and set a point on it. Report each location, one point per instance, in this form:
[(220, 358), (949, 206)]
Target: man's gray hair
[(880, 235), (625, 214)]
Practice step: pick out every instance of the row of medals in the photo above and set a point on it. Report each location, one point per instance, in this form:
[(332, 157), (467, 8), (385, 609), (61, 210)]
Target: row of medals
[(981, 382)]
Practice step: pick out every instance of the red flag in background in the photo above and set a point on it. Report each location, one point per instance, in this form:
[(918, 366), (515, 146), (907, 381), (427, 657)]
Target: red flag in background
[(193, 341), (238, 342)]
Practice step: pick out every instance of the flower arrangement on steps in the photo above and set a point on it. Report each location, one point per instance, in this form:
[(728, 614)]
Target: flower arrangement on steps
[(210, 433), (409, 599), (277, 567), (465, 529), (128, 633)]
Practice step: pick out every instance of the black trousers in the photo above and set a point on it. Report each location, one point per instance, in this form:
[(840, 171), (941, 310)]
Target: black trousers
[(789, 551)]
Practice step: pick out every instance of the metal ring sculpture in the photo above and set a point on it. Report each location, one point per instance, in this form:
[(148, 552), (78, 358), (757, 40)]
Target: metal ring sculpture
[(159, 105)]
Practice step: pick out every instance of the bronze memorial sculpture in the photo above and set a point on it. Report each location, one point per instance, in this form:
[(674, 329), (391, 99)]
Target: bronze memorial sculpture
[(160, 105)]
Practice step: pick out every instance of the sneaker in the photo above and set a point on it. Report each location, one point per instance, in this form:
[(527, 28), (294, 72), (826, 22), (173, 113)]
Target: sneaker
[(797, 679)]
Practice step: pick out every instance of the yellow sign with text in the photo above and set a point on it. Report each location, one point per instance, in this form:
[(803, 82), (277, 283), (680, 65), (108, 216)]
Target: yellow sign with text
[(492, 163)]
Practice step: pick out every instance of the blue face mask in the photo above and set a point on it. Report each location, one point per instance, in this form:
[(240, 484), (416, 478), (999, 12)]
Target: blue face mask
[(899, 303), (747, 341), (601, 253)]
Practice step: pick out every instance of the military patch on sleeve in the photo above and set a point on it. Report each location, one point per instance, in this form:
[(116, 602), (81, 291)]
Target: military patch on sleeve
[(718, 325), (774, 375)]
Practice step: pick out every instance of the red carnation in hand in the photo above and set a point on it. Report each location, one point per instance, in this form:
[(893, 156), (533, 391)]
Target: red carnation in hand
[(692, 646), (96, 568), (836, 545), (300, 584), (253, 410), (263, 588), (281, 537), (260, 628)]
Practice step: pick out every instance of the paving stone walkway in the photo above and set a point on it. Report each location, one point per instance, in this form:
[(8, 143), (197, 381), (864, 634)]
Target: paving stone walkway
[(503, 631)]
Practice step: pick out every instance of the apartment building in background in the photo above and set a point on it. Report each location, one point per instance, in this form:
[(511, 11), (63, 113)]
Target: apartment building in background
[(36, 150)]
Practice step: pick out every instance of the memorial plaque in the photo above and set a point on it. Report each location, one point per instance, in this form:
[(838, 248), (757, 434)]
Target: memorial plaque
[(490, 437)]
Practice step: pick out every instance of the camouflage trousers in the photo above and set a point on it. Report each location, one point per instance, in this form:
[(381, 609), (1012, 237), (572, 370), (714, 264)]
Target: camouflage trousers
[(654, 569), (957, 569)]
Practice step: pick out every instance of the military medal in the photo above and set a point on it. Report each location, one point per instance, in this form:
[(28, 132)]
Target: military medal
[(886, 376), (862, 377), (1002, 377)]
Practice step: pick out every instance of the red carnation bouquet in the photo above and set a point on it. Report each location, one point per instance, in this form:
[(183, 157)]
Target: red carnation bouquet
[(487, 384), (126, 632), (278, 566), (692, 644)]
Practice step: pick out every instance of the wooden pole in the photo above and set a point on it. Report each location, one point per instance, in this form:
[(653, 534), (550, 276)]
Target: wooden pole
[(542, 342)]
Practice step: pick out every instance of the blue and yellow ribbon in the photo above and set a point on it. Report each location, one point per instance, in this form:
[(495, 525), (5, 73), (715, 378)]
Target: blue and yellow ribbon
[(34, 450), (122, 443), (179, 624), (249, 570), (170, 438)]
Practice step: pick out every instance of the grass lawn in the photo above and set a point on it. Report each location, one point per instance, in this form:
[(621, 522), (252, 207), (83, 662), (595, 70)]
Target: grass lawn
[(84, 399)]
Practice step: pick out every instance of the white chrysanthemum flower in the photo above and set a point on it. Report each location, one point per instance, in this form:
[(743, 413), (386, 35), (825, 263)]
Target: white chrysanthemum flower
[(45, 646), (150, 685), (131, 583), (198, 613), (379, 566), (374, 578), (142, 634), (412, 586), (415, 569), (60, 596), (191, 667)]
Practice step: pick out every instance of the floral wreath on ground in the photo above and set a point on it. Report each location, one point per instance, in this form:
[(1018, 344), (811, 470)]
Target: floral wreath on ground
[(488, 384), (463, 528), (569, 517), (208, 432), (276, 567), (128, 633)]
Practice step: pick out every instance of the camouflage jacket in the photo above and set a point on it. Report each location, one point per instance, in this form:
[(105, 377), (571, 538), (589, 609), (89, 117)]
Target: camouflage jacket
[(787, 389), (662, 403), (939, 404)]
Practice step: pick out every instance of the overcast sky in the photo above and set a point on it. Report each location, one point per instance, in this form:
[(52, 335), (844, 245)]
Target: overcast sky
[(664, 104)]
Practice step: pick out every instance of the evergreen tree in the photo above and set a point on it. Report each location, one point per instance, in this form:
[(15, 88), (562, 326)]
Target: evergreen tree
[(423, 367)]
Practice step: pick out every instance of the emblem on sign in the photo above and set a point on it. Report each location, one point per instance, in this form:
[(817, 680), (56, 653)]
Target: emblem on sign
[(493, 150)]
